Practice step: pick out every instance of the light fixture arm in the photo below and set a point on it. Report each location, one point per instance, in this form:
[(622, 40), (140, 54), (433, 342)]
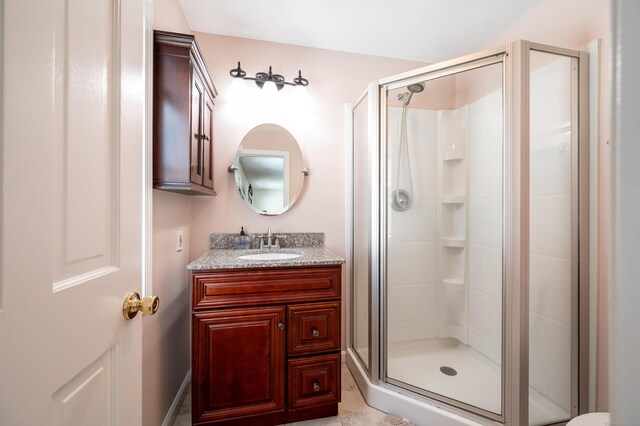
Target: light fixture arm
[(238, 72), (265, 77)]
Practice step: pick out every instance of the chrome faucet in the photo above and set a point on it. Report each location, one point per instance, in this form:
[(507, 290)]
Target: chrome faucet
[(269, 237), (270, 240)]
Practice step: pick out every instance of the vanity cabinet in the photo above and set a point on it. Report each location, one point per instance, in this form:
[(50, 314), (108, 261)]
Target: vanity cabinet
[(183, 97), (266, 345)]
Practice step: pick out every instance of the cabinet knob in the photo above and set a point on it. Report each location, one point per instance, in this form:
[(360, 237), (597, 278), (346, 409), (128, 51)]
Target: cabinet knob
[(316, 387), (280, 326), (196, 135), (206, 138), (315, 333)]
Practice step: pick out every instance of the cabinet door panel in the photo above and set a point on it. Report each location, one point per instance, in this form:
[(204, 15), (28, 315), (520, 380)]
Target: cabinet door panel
[(197, 98), (238, 361), (207, 142)]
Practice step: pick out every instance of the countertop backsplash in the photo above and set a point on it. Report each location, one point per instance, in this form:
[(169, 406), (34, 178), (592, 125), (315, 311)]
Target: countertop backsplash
[(226, 241)]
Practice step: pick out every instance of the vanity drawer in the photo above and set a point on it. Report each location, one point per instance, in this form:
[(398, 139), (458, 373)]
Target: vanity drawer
[(313, 327), (264, 286), (314, 381)]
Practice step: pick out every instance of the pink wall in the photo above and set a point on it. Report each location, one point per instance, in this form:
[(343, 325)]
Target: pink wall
[(168, 16), (166, 335), (335, 79)]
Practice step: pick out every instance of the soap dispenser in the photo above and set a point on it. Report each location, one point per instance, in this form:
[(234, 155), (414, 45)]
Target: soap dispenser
[(243, 241)]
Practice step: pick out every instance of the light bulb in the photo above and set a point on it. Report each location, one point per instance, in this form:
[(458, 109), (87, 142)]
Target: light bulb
[(238, 88), (301, 96), (270, 89)]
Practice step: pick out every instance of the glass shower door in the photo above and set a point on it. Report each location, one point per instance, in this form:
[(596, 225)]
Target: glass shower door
[(444, 238), (553, 272), (361, 231)]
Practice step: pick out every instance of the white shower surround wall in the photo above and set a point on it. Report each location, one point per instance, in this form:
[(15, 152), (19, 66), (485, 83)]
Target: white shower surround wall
[(412, 235), (413, 273), (435, 290), (485, 226)]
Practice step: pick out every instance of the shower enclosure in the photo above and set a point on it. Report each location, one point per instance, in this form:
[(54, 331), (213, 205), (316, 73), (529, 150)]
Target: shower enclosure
[(469, 215)]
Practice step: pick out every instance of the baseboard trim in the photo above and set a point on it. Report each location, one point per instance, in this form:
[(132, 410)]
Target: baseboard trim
[(343, 356), (177, 401)]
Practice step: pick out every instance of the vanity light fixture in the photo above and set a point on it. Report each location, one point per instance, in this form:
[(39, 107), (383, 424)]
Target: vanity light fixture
[(265, 77)]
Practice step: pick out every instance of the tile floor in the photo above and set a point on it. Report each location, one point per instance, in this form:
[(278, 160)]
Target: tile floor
[(352, 411)]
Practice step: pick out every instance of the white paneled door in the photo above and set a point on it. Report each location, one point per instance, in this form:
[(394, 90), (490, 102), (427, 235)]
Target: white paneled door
[(73, 96)]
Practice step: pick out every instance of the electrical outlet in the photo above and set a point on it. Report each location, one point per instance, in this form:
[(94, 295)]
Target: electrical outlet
[(179, 241)]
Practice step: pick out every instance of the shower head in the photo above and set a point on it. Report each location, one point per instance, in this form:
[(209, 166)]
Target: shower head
[(416, 88), (405, 97)]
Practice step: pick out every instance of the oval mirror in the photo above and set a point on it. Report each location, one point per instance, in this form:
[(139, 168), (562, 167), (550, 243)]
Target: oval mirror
[(268, 169)]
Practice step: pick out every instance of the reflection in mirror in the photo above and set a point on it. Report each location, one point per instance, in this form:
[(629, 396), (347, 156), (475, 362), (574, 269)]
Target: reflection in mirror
[(269, 169)]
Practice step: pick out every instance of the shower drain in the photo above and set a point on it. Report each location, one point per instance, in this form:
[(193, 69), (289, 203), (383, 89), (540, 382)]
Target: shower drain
[(448, 371)]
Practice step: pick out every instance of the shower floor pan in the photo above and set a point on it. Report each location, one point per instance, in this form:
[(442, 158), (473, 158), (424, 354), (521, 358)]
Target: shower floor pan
[(477, 381)]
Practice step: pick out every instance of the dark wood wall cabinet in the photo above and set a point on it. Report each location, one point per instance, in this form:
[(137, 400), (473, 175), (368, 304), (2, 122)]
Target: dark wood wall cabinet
[(182, 116), (266, 345)]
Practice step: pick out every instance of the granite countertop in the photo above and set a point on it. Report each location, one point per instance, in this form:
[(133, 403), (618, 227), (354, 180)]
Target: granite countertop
[(229, 259)]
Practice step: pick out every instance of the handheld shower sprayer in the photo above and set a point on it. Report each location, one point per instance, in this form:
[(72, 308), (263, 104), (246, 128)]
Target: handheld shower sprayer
[(402, 199)]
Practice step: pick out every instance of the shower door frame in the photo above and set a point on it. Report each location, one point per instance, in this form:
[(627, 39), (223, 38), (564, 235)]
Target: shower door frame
[(372, 364), (517, 188), (429, 73), (515, 307)]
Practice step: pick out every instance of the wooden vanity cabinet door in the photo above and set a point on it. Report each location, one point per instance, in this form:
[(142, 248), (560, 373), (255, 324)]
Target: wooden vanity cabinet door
[(197, 99), (238, 363), (207, 141)]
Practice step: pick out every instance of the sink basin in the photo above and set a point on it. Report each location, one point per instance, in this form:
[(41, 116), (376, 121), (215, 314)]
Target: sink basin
[(270, 256)]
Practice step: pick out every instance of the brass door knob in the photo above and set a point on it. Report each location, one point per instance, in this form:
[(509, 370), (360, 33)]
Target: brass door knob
[(133, 304)]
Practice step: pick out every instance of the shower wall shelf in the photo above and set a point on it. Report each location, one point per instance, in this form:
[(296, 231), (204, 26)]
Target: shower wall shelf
[(453, 199), (452, 221), (453, 214), (453, 282), (454, 177), (453, 242)]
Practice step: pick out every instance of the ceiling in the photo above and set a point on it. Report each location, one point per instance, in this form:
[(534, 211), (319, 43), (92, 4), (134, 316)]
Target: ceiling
[(420, 30)]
